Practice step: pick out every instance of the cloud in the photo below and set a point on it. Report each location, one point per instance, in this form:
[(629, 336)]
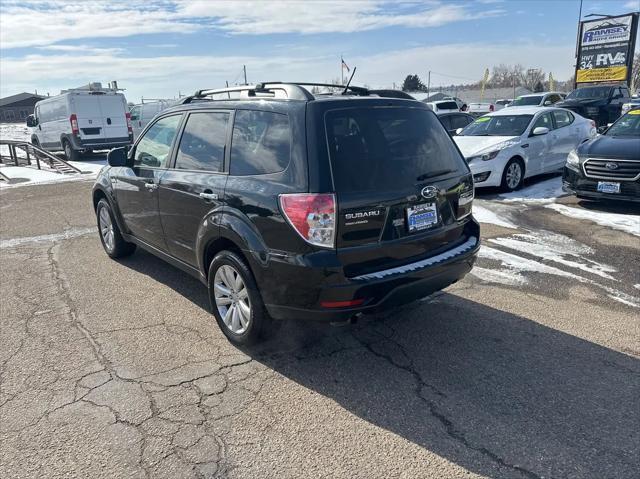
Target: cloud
[(82, 49), (633, 5), (25, 24), (164, 76)]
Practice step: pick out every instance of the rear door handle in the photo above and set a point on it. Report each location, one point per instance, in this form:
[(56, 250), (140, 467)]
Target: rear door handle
[(151, 186), (208, 196)]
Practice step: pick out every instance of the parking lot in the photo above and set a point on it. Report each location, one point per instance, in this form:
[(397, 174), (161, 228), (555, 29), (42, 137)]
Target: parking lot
[(529, 367)]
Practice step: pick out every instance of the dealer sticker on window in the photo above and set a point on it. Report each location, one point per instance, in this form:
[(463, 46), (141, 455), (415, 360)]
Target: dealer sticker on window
[(422, 216), (608, 187)]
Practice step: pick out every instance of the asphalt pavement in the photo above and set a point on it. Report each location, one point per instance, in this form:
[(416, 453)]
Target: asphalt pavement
[(528, 368)]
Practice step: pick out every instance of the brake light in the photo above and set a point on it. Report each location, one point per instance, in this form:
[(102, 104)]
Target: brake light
[(312, 215), (74, 124), (129, 127)]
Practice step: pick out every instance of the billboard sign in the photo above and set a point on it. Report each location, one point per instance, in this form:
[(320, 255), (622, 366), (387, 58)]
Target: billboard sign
[(605, 49)]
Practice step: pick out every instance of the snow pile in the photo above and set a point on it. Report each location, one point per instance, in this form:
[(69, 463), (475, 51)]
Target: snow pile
[(542, 192), (627, 223), (484, 215)]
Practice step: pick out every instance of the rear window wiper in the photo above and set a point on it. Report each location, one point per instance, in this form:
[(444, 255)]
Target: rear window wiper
[(433, 174)]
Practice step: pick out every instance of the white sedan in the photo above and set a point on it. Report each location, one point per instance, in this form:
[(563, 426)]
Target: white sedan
[(505, 147)]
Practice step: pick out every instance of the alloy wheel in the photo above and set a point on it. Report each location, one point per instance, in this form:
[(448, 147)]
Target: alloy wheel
[(514, 175), (232, 299), (106, 229)]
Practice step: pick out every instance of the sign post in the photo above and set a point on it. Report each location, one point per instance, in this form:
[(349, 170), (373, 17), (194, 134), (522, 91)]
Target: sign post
[(605, 49)]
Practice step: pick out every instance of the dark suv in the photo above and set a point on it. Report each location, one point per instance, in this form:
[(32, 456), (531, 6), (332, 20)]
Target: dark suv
[(290, 205), (600, 103)]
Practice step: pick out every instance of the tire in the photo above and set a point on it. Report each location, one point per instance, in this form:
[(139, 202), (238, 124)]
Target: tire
[(110, 237), (513, 175), (69, 152), (239, 310)]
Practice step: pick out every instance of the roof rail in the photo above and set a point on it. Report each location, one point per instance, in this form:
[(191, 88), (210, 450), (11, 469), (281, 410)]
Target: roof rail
[(289, 90)]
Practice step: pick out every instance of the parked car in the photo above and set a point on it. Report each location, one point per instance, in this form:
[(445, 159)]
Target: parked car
[(443, 106), (505, 147), (607, 167), (290, 205), (601, 103), (538, 99), (504, 102), (143, 113), (462, 105), (81, 120), (453, 121), (632, 104), (479, 109)]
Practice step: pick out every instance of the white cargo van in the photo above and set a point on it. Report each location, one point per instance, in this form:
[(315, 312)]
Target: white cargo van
[(81, 120), (144, 112)]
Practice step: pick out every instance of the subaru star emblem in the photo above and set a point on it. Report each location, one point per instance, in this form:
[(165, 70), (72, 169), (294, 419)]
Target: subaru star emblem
[(611, 166), (429, 192)]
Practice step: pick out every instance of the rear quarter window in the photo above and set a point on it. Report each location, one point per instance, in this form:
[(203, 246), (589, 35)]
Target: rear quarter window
[(388, 148), (261, 143)]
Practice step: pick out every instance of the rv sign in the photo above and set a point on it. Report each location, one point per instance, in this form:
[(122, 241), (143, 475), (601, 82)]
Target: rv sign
[(605, 49)]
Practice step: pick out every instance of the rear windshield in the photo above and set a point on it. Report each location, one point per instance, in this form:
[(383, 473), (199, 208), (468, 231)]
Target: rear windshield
[(447, 105), (388, 148), (526, 100)]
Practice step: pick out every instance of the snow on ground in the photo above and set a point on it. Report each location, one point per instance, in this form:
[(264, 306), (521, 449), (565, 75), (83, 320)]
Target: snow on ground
[(627, 223), (558, 249), (514, 267), (540, 192), (31, 175), (485, 215)]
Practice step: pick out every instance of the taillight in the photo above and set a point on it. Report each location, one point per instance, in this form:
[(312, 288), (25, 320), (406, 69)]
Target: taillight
[(129, 127), (74, 124), (312, 215)]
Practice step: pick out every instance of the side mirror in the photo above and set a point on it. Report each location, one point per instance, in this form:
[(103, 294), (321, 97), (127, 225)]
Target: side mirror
[(602, 129), (458, 131), (547, 103), (31, 121), (118, 157), (541, 130)]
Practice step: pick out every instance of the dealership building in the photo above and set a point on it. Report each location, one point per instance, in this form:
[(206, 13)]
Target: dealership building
[(16, 108)]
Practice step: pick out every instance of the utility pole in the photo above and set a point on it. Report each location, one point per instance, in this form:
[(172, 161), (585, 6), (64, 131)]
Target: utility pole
[(244, 69), (428, 83)]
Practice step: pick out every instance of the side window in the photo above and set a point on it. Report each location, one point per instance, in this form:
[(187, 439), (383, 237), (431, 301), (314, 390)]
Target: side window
[(625, 92), (154, 147), (203, 142), (446, 122), (563, 118), (135, 113), (261, 143), (460, 121), (543, 120)]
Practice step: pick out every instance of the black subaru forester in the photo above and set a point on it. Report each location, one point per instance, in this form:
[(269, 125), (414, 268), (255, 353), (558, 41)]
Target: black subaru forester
[(288, 204)]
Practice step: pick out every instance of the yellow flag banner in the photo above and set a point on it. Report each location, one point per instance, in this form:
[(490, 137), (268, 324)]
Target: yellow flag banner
[(484, 83), (602, 74)]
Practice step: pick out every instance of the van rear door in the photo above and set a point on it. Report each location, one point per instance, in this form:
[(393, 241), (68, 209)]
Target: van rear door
[(404, 191), (114, 119), (86, 106)]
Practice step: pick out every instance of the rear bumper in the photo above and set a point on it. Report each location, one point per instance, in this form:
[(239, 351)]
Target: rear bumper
[(308, 288), (100, 144), (575, 182)]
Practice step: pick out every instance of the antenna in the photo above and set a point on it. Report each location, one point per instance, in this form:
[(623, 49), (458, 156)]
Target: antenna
[(346, 87)]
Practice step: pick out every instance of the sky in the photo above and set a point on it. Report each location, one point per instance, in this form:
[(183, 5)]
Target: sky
[(159, 49)]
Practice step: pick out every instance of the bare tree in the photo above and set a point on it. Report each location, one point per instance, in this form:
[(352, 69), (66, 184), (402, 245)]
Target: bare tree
[(532, 78)]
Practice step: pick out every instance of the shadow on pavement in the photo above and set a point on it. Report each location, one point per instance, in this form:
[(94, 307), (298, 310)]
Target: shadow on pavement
[(496, 393)]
